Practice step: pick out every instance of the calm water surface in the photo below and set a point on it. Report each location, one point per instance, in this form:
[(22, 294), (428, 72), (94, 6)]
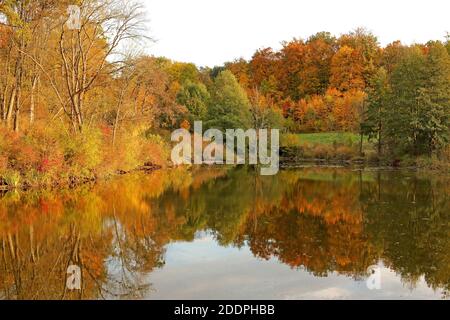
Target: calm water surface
[(231, 234)]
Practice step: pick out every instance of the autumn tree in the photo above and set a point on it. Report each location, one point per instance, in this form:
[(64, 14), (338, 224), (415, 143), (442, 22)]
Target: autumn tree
[(263, 71), (321, 48), (391, 55), (154, 94), (366, 44), (291, 79), (241, 70), (347, 69), (264, 113), (20, 38), (182, 72), (84, 53)]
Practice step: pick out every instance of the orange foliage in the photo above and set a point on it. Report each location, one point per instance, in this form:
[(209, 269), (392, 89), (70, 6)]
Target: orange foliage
[(347, 70), (332, 112)]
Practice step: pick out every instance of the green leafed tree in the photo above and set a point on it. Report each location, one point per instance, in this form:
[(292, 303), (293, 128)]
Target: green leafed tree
[(435, 98), (195, 97), (447, 42), (403, 119), (378, 102), (418, 123), (229, 105)]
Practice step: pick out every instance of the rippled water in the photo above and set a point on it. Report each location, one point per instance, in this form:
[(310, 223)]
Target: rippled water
[(231, 234)]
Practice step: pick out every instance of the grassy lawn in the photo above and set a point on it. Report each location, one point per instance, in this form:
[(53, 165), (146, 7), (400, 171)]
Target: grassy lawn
[(325, 138)]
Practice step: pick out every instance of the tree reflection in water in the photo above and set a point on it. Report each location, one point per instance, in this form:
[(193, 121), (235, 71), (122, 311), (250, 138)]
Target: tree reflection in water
[(320, 220)]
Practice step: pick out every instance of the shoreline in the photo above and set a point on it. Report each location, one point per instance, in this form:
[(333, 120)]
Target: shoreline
[(285, 164), (290, 163), (77, 181)]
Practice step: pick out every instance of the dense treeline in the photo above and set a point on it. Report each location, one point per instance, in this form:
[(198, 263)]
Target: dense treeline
[(79, 103), (398, 95)]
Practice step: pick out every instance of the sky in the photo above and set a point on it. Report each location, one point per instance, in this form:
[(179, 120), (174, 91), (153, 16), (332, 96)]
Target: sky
[(211, 32)]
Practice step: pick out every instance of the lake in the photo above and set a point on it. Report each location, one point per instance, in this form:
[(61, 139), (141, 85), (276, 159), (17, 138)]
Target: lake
[(221, 233)]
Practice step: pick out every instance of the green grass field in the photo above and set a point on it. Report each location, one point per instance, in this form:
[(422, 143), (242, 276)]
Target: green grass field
[(325, 138)]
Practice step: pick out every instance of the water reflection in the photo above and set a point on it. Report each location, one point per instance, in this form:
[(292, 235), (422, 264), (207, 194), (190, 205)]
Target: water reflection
[(317, 224)]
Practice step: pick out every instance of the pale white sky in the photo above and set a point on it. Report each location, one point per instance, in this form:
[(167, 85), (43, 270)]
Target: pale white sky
[(210, 32)]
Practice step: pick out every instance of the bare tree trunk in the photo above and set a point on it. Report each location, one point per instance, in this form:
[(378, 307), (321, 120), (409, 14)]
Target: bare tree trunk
[(33, 256), (12, 251), (116, 121), (361, 131), (32, 98), (17, 110), (9, 110), (361, 141), (116, 124), (3, 105), (19, 74), (5, 90), (379, 139)]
